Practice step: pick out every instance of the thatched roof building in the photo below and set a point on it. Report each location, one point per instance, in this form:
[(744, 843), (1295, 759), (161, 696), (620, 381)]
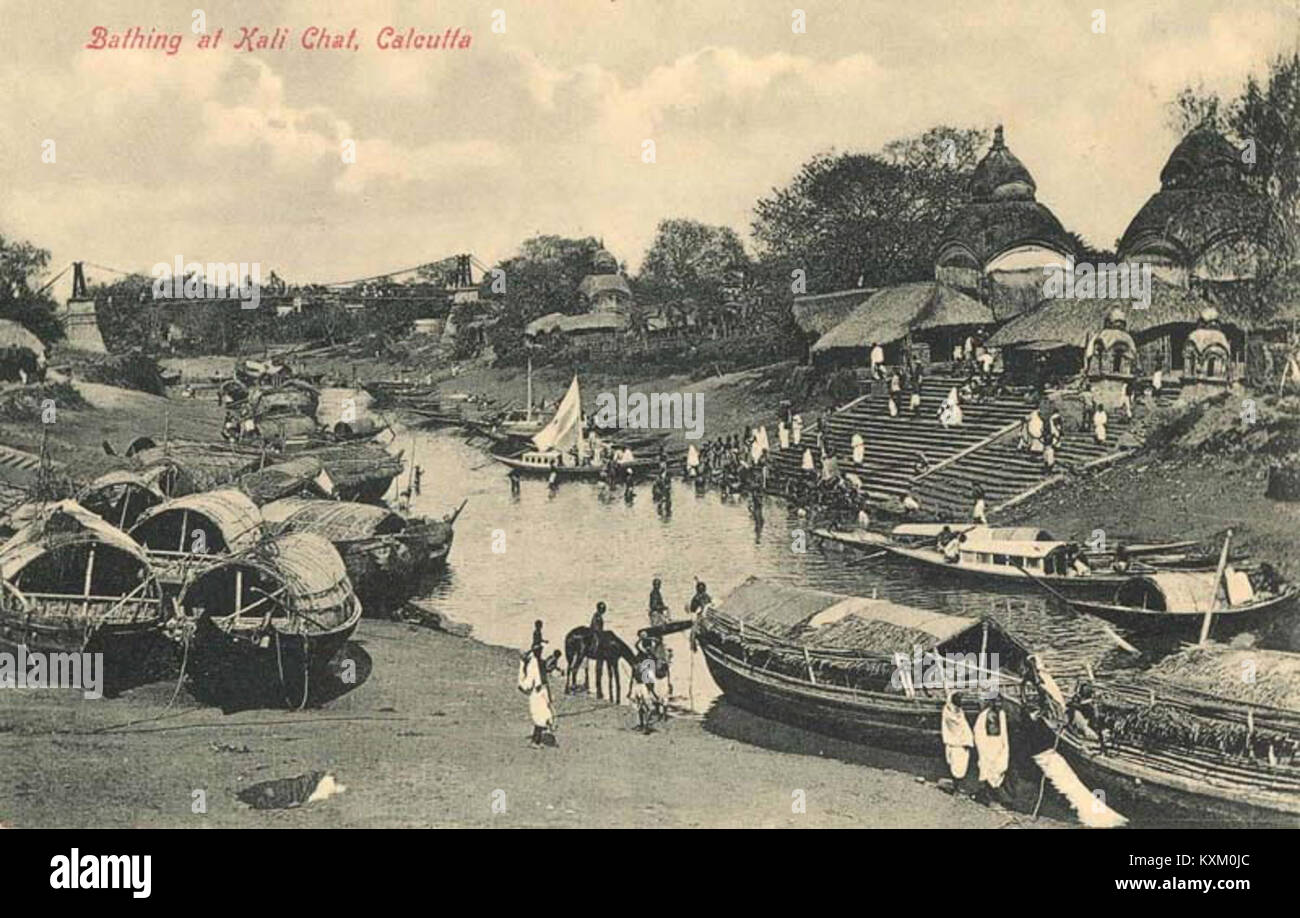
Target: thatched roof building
[(817, 314), (1071, 322), (926, 310), (1004, 233)]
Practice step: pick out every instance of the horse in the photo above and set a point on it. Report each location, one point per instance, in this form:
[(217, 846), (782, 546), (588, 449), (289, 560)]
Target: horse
[(609, 649)]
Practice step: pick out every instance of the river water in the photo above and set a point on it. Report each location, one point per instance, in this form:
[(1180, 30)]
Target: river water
[(553, 556)]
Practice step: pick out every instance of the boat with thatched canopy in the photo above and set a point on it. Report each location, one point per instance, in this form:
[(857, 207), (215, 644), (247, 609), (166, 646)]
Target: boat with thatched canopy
[(70, 582), (269, 618), (361, 471), (1188, 740), (120, 496), (385, 553), (866, 670), (302, 476), (187, 533), (189, 467)]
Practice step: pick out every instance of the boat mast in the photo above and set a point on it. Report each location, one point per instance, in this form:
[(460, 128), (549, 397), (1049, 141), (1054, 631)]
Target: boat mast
[(529, 415), (1214, 596)]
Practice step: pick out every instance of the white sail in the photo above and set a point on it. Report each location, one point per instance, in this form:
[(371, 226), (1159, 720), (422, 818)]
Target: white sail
[(564, 432)]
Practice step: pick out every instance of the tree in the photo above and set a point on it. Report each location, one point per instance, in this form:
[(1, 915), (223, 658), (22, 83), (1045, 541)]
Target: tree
[(125, 312), (854, 219), (688, 259), (21, 263)]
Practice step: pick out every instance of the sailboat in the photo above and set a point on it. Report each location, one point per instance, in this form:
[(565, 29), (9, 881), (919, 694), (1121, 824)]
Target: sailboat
[(521, 423), (562, 445)]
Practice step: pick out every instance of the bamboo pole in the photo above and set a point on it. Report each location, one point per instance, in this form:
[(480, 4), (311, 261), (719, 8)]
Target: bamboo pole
[(1214, 597)]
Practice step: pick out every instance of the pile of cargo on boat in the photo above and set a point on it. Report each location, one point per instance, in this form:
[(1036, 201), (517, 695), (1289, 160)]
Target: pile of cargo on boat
[(1210, 733)]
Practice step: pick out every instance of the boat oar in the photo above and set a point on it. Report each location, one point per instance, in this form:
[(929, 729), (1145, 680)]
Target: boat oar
[(875, 554), (1071, 606)]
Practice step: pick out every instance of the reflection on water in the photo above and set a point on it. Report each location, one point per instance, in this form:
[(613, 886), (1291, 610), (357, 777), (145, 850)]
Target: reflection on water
[(562, 551)]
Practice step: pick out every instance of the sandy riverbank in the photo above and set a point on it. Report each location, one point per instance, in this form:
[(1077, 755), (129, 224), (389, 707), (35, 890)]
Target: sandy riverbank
[(431, 733)]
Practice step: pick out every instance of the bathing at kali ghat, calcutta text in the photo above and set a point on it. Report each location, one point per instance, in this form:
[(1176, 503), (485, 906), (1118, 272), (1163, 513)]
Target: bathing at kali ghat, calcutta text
[(255, 38)]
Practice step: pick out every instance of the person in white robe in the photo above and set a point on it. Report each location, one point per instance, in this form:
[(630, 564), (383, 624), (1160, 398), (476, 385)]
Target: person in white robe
[(796, 429), (957, 737), (950, 413), (692, 461), (1034, 429), (980, 513), (877, 361), (783, 435), (859, 448), (910, 503), (992, 743), (1099, 420), (807, 464), (532, 682)]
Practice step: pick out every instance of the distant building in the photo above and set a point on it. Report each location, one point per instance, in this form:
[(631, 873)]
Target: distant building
[(605, 289)]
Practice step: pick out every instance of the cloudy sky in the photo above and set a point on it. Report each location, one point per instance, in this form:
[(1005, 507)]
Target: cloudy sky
[(233, 156)]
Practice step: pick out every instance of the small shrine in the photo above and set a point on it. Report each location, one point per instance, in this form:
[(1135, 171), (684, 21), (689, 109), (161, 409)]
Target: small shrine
[(1110, 360), (1207, 358)]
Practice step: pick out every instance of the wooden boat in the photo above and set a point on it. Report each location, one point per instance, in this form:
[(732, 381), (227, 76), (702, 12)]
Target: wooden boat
[(1189, 741), (1016, 556), (303, 476), (1174, 603), (70, 582), (361, 471), (119, 497), (848, 666), (561, 446), (187, 534), (385, 553), (266, 622), (188, 467)]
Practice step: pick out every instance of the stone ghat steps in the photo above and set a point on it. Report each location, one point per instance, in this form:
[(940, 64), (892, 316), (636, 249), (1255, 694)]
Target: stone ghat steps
[(979, 458), (894, 444)]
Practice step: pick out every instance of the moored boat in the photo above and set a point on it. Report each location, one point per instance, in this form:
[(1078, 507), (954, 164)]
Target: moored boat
[(865, 670), (385, 552), (188, 533), (267, 622), (70, 582), (1019, 556), (1188, 741), (1175, 604)]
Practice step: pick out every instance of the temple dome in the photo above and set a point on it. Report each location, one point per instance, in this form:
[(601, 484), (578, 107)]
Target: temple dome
[(1204, 220), (1203, 159), (1002, 217), (1000, 176), (604, 262)]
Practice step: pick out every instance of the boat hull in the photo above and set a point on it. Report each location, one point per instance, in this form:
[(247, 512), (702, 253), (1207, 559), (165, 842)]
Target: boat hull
[(234, 671), (1148, 795), (869, 718), (1186, 626)]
